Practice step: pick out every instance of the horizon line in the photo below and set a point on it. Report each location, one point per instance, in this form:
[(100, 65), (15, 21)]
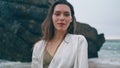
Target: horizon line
[(112, 37)]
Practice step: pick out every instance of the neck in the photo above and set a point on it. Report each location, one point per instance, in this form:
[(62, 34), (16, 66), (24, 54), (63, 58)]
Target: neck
[(59, 35)]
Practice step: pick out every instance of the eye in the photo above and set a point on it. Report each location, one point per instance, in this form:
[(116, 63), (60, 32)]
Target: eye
[(57, 14), (67, 14)]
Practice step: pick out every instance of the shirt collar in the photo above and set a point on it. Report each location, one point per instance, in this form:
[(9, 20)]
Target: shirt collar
[(67, 38)]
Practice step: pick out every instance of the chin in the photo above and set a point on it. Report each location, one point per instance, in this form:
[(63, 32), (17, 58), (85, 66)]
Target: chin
[(62, 30)]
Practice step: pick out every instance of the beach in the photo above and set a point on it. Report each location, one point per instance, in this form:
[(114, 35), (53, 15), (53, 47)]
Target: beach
[(93, 63), (104, 63)]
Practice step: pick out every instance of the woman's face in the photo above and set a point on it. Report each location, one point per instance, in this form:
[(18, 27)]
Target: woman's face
[(61, 17)]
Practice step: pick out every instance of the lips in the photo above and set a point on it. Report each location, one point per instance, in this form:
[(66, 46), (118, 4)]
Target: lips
[(61, 24)]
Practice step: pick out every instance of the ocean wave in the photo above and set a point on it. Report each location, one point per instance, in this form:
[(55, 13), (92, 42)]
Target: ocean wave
[(10, 64)]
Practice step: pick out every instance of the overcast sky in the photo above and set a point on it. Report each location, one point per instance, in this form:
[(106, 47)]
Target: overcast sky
[(104, 15)]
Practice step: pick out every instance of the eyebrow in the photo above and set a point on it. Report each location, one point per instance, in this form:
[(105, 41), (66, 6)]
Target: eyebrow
[(64, 11)]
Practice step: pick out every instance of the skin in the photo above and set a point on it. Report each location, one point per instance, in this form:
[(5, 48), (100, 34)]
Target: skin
[(61, 17), (61, 20)]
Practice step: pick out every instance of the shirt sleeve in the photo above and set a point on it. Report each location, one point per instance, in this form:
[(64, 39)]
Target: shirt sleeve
[(81, 60), (34, 63)]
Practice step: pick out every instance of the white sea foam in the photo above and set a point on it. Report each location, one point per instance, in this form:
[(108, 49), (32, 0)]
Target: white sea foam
[(10, 64)]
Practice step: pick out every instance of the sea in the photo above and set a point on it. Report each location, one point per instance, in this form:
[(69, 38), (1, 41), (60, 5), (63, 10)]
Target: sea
[(109, 51)]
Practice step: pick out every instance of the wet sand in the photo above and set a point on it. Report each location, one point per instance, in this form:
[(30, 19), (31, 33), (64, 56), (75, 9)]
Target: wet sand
[(104, 63)]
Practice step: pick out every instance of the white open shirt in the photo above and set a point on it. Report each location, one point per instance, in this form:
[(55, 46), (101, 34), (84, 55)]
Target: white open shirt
[(71, 52)]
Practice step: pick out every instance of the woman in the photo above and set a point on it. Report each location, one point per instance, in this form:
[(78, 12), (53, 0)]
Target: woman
[(59, 47)]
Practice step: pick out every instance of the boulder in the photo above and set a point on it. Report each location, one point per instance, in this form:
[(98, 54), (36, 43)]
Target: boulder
[(95, 40), (20, 22)]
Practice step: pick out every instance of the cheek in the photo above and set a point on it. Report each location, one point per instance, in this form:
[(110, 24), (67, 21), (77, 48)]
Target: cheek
[(53, 18), (69, 24), (69, 20)]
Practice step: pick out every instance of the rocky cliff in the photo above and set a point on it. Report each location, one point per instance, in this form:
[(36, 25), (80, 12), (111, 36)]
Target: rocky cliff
[(20, 22), (95, 40)]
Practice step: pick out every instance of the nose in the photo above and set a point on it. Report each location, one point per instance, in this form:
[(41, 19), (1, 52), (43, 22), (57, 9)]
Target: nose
[(62, 17)]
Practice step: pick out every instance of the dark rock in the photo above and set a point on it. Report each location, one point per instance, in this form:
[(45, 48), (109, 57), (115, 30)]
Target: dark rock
[(20, 23), (95, 40)]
